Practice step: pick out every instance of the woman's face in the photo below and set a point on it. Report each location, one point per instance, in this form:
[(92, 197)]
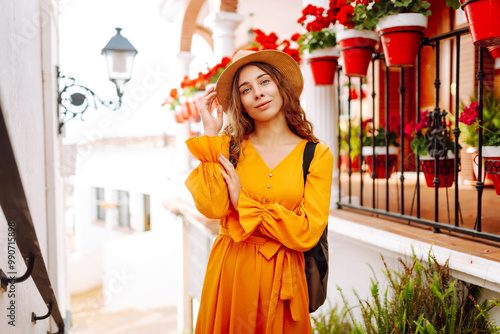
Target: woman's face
[(259, 94)]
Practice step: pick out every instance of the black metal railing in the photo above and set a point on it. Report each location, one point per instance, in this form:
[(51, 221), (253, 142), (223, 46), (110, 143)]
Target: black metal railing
[(437, 130)]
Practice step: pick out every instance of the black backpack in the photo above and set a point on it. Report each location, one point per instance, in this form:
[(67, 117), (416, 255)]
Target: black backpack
[(316, 259)]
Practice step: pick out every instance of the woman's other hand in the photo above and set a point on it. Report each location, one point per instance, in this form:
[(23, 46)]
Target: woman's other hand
[(232, 180), (211, 125)]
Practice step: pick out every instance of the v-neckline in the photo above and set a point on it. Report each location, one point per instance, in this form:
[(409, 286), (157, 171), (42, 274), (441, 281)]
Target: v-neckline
[(279, 163)]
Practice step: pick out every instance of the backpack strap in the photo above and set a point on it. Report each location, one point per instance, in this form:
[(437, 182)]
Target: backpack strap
[(308, 156), (316, 259)]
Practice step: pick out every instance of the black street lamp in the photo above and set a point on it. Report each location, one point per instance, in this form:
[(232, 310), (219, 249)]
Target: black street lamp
[(75, 99)]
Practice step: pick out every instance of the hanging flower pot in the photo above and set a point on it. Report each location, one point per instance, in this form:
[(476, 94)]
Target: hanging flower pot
[(494, 51), (323, 64), (192, 107), (185, 110), (446, 170), (400, 35), (357, 48), (344, 162), (487, 178), (491, 155), (178, 117), (380, 158), (483, 17)]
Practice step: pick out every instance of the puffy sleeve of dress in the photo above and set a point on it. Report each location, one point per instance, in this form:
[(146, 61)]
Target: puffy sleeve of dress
[(205, 182), (301, 228)]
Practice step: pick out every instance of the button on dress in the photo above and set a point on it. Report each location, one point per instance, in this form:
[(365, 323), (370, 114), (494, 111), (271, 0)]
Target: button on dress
[(255, 280)]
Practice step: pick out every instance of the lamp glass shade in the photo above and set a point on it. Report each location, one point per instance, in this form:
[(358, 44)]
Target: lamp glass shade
[(119, 54), (119, 64)]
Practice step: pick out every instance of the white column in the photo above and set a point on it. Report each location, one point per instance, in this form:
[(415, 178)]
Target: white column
[(183, 165), (184, 58), (321, 107), (185, 318), (182, 153), (223, 25)]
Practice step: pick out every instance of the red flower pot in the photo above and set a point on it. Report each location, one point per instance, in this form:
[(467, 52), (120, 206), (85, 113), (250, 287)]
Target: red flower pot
[(492, 168), (357, 48), (400, 36), (380, 159), (487, 178), (344, 162), (324, 65), (185, 110), (491, 156), (483, 17), (494, 51), (192, 107), (178, 117), (446, 171)]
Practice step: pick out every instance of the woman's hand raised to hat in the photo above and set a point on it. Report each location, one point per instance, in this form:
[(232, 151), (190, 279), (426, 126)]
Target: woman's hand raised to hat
[(211, 125)]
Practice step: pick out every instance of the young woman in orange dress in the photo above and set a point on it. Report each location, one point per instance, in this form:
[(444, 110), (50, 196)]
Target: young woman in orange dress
[(255, 280)]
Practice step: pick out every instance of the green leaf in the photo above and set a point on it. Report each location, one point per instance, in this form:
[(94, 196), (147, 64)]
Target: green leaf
[(455, 4), (425, 5)]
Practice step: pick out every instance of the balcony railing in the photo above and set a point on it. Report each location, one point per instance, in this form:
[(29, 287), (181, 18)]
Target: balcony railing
[(408, 179)]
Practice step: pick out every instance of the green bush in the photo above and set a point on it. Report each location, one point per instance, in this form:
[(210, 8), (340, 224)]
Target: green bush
[(333, 322), (422, 298)]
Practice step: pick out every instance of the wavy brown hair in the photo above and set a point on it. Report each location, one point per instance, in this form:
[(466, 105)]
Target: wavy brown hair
[(240, 125)]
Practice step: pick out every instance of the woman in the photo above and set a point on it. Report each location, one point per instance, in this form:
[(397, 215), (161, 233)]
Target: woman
[(255, 280)]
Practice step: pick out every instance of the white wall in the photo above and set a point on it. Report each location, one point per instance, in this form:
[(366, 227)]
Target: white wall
[(28, 49), (85, 272), (102, 251), (140, 270)]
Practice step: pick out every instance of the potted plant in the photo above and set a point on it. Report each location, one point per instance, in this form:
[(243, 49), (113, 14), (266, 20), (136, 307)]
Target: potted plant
[(319, 41), (400, 24), (354, 146), (184, 102), (271, 42), (494, 51), (420, 144), (357, 43), (377, 157), (491, 134), (483, 18)]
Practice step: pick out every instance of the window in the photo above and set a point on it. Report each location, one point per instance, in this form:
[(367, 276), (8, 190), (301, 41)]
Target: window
[(147, 212), (123, 200), (99, 213)]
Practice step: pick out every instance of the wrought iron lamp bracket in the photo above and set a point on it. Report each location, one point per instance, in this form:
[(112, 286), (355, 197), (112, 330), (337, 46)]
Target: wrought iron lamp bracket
[(73, 100)]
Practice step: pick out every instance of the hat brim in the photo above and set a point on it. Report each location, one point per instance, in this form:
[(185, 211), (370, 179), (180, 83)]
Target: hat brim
[(285, 64)]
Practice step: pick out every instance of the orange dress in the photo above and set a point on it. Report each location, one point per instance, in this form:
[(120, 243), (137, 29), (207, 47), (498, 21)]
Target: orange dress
[(255, 280)]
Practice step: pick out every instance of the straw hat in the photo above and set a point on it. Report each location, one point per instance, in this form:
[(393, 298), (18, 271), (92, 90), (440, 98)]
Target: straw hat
[(285, 64)]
